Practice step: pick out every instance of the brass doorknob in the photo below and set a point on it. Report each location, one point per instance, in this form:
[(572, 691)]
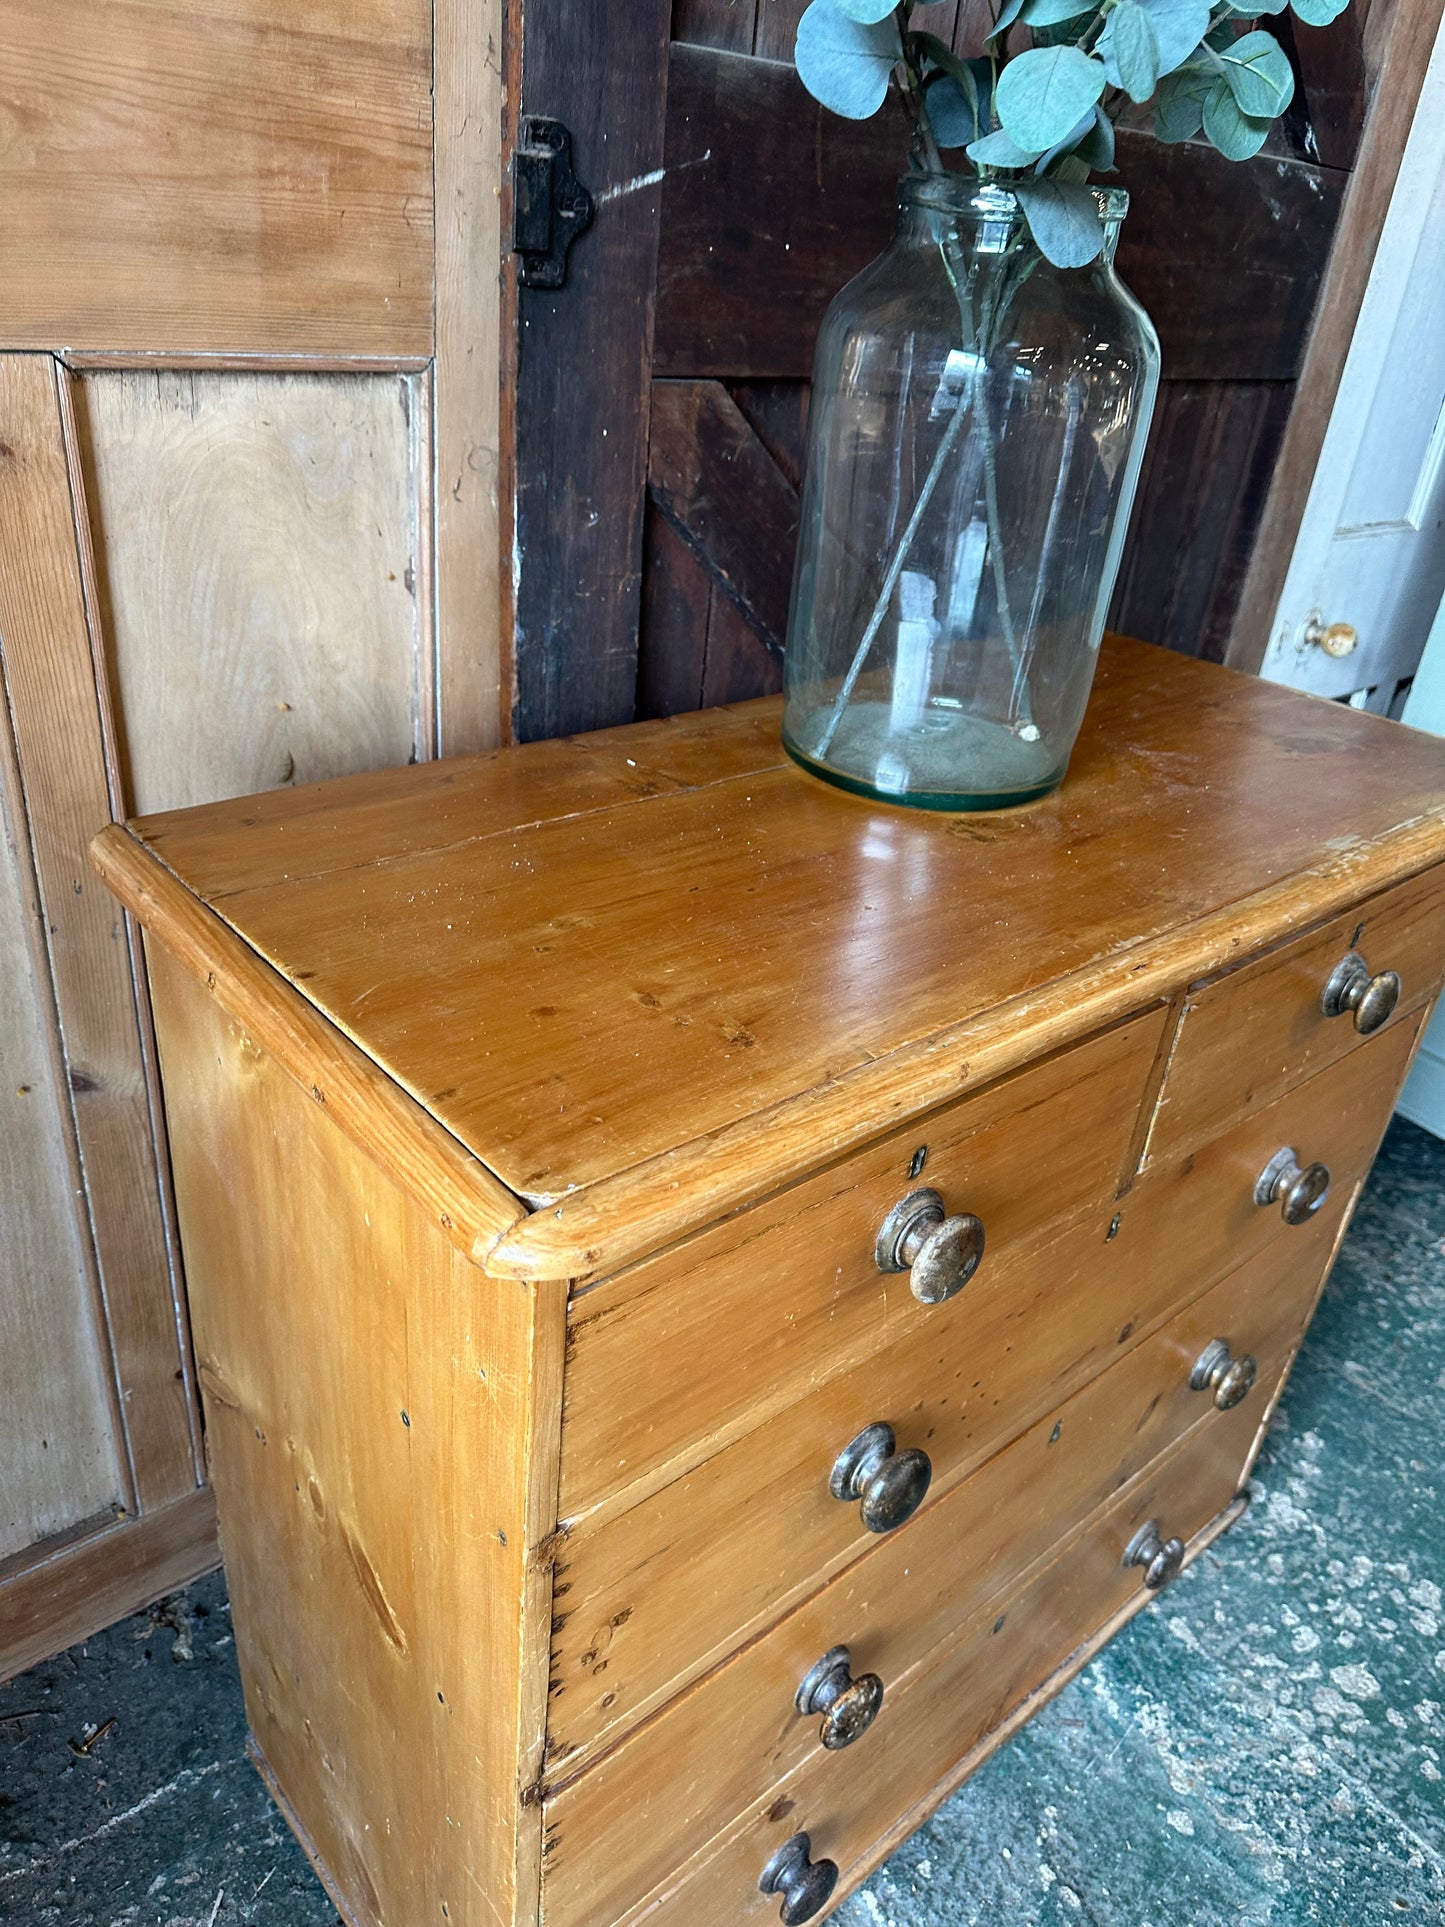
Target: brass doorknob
[(940, 1252), (890, 1484), (1160, 1558), (1298, 1190), (1337, 639), (806, 1885), (1230, 1379), (849, 1706), (1351, 987)]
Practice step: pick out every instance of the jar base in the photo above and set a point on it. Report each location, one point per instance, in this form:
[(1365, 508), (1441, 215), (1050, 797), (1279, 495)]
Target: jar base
[(957, 801)]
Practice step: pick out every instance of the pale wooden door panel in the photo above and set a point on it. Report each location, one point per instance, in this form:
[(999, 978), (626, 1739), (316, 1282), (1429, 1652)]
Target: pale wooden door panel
[(236, 176), (259, 541), (60, 1462)]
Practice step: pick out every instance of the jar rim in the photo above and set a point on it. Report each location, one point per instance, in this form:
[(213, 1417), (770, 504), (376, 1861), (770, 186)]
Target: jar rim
[(990, 200)]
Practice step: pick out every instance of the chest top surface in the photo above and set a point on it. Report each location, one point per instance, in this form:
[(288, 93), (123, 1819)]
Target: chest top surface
[(578, 956)]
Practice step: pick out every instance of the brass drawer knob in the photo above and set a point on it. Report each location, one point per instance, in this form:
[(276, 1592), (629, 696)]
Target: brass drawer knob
[(1352, 988), (849, 1706), (890, 1484), (1230, 1379), (1299, 1190), (806, 1885), (940, 1252), (1160, 1558)]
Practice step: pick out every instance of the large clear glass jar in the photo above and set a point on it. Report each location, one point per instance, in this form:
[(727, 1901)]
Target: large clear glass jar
[(978, 421)]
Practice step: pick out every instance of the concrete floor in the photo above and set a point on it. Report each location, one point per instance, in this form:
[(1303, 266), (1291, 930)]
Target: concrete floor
[(1263, 1747)]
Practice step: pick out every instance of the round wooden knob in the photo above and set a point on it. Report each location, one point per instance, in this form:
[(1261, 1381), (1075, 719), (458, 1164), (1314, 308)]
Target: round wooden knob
[(1299, 1190), (849, 1706), (940, 1253), (891, 1485), (1160, 1558), (806, 1885), (1371, 1000), (1230, 1379)]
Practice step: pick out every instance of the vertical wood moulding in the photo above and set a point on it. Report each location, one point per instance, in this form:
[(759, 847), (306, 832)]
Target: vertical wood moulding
[(419, 392), (52, 692), (467, 68), (70, 398)]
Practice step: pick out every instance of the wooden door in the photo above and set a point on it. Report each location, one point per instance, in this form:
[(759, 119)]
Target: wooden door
[(249, 306), (660, 398)]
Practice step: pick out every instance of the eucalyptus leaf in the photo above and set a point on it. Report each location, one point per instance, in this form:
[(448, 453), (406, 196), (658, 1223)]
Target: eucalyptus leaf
[(1129, 50), (868, 11), (1179, 106), (1048, 13), (1318, 13), (1179, 26), (1259, 75), (952, 114), (1042, 93), (1096, 149), (1063, 219), (1008, 12), (1076, 133), (1063, 31), (1000, 149), (844, 63), (1236, 134)]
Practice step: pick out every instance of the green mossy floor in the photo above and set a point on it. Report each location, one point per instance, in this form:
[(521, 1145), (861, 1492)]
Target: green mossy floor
[(1264, 1746)]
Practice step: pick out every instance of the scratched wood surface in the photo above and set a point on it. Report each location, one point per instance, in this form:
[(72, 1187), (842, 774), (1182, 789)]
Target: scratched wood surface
[(234, 176), (774, 930)]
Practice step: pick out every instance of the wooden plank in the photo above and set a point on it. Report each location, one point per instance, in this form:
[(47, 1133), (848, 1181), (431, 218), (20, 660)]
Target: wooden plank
[(467, 62), (1207, 469), (1226, 257), (720, 489), (52, 689), (1336, 84), (383, 1430), (71, 1592), (460, 1194), (778, 985), (62, 1421), (672, 635), (229, 175), (259, 540), (716, 23), (574, 524), (1413, 25)]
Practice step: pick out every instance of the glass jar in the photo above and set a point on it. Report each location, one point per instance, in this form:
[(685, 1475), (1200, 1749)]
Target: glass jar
[(978, 421)]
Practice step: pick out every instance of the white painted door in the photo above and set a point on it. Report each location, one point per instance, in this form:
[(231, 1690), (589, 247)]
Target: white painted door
[(1368, 571), (1423, 1098)]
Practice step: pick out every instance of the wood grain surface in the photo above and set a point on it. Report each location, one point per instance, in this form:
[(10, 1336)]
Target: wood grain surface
[(258, 538), (763, 999), (846, 1800), (384, 1454), (611, 1652), (233, 175), (51, 685)]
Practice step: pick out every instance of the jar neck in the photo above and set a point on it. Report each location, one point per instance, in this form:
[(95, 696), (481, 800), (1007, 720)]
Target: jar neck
[(980, 219)]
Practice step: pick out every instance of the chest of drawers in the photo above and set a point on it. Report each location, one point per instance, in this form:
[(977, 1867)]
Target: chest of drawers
[(713, 1298)]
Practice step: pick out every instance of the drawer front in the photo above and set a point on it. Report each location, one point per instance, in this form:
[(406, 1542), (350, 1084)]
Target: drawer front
[(707, 1757), (666, 1361), (651, 1597), (1253, 1033), (625, 1863)]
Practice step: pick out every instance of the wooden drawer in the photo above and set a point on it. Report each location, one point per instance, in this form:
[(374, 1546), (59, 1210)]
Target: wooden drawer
[(668, 1360), (708, 1756), (1248, 1035), (651, 1596)]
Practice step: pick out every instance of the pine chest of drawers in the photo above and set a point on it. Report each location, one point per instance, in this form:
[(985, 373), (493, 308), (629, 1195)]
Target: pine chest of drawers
[(714, 1298)]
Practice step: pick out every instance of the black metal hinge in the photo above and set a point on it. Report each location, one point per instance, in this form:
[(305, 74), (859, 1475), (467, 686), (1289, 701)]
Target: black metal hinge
[(551, 207)]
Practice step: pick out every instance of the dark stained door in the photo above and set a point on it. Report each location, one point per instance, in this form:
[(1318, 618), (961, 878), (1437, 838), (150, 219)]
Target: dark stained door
[(661, 396)]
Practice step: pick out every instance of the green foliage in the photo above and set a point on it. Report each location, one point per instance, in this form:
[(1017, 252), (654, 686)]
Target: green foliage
[(1041, 93), (1039, 118)]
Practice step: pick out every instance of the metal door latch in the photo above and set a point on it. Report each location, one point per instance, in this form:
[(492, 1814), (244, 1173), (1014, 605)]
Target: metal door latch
[(551, 207)]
